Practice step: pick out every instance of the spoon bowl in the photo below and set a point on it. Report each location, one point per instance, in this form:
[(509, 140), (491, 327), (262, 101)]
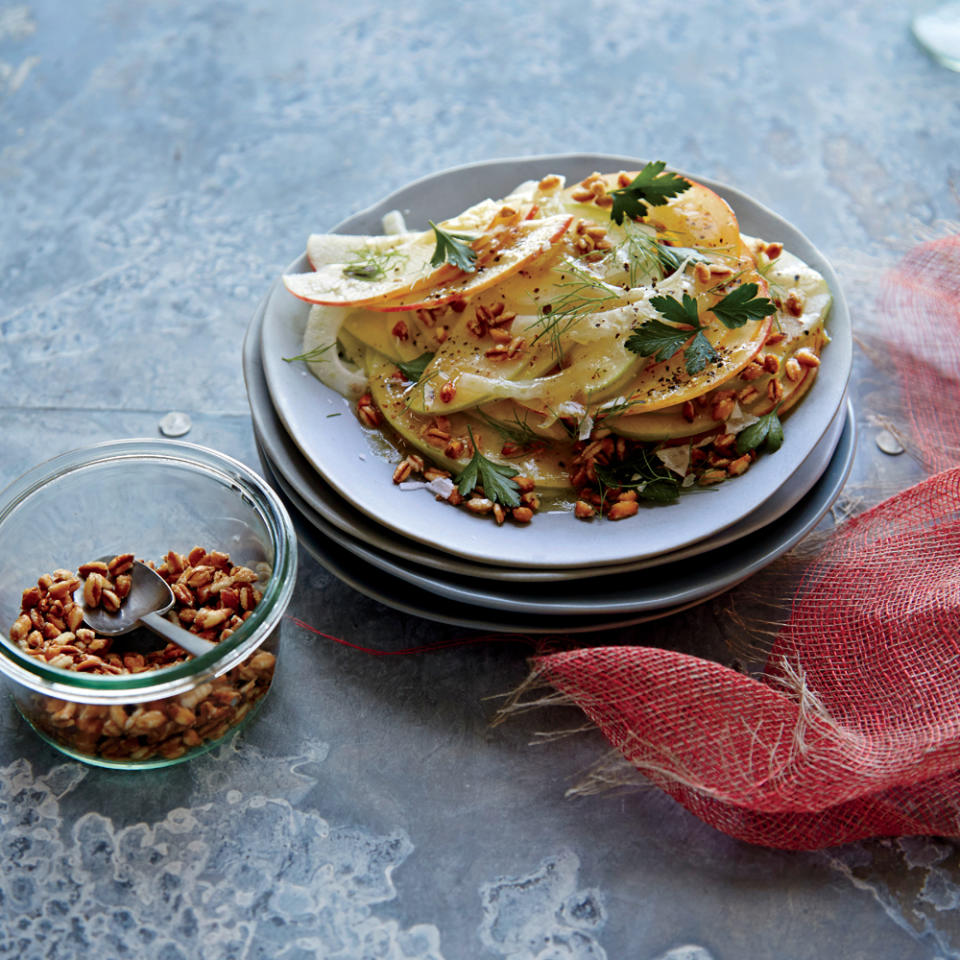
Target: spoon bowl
[(149, 598)]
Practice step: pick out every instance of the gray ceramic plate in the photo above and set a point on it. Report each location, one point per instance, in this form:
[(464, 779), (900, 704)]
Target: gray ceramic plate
[(349, 460), (669, 585), (400, 595), (335, 517)]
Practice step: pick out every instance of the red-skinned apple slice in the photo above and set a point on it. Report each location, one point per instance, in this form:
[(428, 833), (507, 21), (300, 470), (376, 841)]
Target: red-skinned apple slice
[(500, 252), (339, 248)]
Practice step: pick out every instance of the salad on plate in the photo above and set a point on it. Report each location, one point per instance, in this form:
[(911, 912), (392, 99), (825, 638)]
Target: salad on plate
[(611, 342)]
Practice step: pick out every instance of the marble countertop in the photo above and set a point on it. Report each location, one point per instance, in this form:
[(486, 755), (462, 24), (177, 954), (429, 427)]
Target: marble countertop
[(159, 164)]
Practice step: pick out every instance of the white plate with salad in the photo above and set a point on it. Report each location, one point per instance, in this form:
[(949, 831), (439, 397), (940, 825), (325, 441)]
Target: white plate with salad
[(633, 331)]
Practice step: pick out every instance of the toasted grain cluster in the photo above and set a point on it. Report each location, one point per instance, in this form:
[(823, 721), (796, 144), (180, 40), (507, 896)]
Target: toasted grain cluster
[(414, 467), (712, 459), (212, 598)]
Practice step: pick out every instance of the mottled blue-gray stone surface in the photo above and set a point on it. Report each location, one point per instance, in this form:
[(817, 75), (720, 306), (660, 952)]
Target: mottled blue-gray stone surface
[(159, 164)]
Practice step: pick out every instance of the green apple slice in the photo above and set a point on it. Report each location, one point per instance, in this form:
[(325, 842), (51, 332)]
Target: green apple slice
[(546, 467)]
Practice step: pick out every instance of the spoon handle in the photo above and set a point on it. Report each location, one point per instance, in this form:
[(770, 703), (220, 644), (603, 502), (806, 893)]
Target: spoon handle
[(183, 638)]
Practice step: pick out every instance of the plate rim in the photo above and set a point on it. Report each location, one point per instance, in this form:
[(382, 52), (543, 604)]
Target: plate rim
[(598, 625), (787, 531), (484, 549)]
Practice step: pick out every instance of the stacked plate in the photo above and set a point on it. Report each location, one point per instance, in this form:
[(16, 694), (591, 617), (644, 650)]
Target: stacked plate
[(558, 574)]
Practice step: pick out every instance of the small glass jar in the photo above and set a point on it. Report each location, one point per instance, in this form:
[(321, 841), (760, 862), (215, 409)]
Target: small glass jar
[(145, 497)]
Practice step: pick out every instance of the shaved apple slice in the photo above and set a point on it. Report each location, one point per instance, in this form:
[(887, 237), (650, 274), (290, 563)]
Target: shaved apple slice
[(545, 466), (411, 283), (593, 355), (511, 249), (697, 218), (340, 248), (372, 263), (399, 338), (517, 422), (660, 385), (792, 334)]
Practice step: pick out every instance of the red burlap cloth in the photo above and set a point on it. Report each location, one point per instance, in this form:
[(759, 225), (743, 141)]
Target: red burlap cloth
[(852, 729)]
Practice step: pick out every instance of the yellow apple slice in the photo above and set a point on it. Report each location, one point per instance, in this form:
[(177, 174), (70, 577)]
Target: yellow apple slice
[(593, 353), (501, 253), (404, 337), (697, 218), (788, 334), (370, 271), (660, 385), (445, 440)]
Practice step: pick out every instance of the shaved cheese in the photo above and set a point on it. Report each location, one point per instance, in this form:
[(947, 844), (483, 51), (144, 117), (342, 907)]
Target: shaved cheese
[(442, 487), (675, 459), (738, 420), (586, 428)]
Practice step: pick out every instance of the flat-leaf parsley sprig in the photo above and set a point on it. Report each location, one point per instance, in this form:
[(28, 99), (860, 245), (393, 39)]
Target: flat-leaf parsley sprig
[(495, 478), (451, 249), (642, 472), (768, 431), (661, 340), (650, 186), (743, 304)]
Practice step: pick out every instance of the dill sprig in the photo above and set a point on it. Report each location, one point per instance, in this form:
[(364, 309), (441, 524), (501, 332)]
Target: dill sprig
[(644, 256), (419, 386), (765, 269), (516, 431), (639, 253), (581, 297), (315, 354), (644, 473), (369, 263)]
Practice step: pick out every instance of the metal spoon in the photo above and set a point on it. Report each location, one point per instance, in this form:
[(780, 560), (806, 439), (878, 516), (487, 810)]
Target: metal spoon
[(149, 598)]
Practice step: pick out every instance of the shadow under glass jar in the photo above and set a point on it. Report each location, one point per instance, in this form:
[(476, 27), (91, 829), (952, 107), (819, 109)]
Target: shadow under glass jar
[(146, 497)]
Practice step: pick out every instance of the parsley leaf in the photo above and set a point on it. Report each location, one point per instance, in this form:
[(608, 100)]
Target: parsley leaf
[(642, 472), (449, 249), (743, 304), (650, 186), (495, 478), (661, 341), (656, 339), (413, 369), (767, 431), (677, 312), (698, 354)]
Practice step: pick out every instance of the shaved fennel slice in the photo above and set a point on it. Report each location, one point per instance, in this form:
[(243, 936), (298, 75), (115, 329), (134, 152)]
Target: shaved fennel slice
[(330, 368)]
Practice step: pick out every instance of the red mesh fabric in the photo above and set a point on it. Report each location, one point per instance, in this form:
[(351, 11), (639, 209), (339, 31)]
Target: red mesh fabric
[(919, 320), (853, 729)]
